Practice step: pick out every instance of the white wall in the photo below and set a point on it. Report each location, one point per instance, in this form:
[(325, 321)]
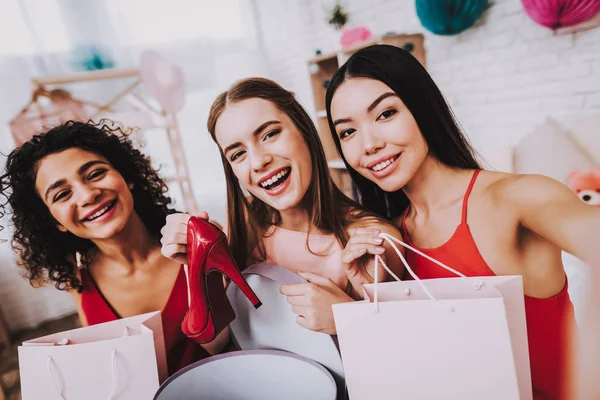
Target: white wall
[(502, 77), (209, 67)]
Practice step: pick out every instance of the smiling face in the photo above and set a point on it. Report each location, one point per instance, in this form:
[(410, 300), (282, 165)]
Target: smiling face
[(379, 136), (84, 193), (266, 151)]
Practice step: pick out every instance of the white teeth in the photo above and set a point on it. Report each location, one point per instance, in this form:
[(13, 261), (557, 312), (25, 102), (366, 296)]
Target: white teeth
[(274, 179), (383, 164), (98, 213)]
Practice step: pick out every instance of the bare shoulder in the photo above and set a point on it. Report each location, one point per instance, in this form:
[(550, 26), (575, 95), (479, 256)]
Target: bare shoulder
[(397, 222), (74, 293), (77, 299), (490, 181), (527, 188), (370, 222)]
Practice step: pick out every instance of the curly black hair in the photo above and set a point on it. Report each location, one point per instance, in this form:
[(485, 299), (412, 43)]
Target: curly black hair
[(45, 253)]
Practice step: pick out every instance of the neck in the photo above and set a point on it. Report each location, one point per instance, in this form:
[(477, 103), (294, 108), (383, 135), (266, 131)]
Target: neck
[(435, 186), (131, 247), (295, 219)]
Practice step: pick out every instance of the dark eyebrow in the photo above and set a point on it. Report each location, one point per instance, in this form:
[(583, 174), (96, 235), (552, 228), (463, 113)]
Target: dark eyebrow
[(371, 107), (341, 121), (258, 130), (378, 100), (84, 167)]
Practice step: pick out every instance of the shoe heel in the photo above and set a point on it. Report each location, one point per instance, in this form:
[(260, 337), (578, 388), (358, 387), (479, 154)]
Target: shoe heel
[(220, 308), (222, 260)]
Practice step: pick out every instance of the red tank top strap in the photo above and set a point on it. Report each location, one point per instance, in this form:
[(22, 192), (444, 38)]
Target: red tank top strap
[(89, 286), (464, 206), (404, 219), (94, 305), (467, 194)]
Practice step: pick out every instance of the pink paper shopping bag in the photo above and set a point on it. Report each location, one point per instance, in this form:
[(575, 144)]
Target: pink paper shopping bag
[(122, 359), (455, 338)]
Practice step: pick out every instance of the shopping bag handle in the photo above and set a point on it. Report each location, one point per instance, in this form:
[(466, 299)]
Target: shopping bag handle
[(390, 239), (58, 384)]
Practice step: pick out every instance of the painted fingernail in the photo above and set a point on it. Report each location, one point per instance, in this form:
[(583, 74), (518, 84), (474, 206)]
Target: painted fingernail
[(379, 250), (361, 251), (378, 240)]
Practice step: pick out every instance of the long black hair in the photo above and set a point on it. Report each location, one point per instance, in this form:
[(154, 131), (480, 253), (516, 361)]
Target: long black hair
[(46, 253), (405, 75)]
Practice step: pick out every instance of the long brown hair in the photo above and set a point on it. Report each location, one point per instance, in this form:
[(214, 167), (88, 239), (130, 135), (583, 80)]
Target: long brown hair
[(329, 209)]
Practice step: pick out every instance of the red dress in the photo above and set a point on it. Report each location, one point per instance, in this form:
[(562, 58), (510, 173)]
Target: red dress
[(181, 351), (548, 320)]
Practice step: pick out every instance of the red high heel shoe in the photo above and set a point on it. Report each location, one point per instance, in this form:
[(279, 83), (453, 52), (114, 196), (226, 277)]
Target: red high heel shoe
[(208, 254)]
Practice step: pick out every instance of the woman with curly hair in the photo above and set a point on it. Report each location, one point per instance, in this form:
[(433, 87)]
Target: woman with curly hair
[(87, 209)]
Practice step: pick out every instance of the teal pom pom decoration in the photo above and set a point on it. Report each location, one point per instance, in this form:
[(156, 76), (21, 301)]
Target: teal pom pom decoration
[(91, 58), (449, 17)]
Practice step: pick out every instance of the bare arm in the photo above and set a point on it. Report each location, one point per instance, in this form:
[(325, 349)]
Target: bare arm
[(552, 211), (77, 298)]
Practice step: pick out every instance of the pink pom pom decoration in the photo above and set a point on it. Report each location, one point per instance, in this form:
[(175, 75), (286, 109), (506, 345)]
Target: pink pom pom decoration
[(555, 14)]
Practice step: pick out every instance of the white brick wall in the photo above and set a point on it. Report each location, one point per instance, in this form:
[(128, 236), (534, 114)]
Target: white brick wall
[(502, 77)]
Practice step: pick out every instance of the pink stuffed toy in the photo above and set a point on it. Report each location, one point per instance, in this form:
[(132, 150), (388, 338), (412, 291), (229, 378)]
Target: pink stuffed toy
[(587, 185)]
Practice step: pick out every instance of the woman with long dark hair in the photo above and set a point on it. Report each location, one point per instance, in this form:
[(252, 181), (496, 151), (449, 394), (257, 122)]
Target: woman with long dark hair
[(283, 206), (411, 163), (87, 209)]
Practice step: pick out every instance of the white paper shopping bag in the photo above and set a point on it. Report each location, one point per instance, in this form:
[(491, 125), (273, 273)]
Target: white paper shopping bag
[(453, 338), (121, 359)]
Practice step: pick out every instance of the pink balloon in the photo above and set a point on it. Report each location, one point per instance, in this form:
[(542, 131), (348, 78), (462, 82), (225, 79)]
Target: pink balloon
[(163, 80), (556, 14)]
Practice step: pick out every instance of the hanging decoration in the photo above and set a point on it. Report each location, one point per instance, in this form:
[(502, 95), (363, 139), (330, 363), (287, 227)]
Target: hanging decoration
[(338, 19), (91, 58), (555, 14), (449, 17)]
